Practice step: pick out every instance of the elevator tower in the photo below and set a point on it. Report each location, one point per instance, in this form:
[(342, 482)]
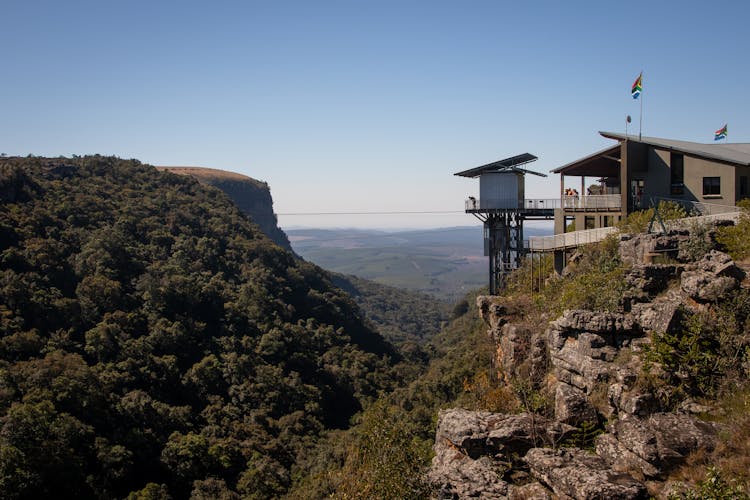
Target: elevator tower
[(502, 207)]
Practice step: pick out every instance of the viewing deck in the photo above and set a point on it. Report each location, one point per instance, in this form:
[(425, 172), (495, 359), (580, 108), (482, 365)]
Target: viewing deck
[(593, 203)]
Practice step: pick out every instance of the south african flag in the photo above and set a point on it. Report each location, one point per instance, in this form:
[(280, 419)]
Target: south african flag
[(721, 133), (637, 86)]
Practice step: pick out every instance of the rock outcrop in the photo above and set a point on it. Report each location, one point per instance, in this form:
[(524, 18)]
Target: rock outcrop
[(589, 363), (651, 446), (574, 473), (474, 449)]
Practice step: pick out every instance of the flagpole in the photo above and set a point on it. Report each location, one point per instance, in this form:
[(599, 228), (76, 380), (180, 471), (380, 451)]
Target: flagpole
[(640, 120)]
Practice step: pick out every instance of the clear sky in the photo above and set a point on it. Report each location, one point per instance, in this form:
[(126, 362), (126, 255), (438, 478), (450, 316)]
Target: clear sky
[(365, 106)]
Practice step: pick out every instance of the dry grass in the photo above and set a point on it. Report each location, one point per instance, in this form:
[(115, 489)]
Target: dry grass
[(206, 174), (731, 457)]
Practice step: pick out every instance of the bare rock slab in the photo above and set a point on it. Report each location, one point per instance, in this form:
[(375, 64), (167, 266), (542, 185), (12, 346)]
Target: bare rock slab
[(531, 491), (455, 475), (574, 473), (572, 406), (480, 433), (654, 445)]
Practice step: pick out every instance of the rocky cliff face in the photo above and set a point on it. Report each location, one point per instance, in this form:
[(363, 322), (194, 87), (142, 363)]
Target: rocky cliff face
[(589, 364), (251, 196)]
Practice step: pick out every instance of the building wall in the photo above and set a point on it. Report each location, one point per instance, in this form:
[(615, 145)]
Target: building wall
[(698, 168), (658, 177), (739, 173), (580, 219), (653, 166)]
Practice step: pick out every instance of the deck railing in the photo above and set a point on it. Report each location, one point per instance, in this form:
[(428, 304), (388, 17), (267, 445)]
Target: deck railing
[(507, 204), (593, 202)]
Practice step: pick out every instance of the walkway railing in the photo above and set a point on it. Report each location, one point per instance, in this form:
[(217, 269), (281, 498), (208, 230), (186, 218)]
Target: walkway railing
[(584, 237), (568, 240), (687, 222), (697, 207)]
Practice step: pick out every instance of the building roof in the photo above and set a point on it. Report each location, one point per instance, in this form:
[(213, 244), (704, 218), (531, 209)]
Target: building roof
[(507, 165), (731, 152), (604, 163)]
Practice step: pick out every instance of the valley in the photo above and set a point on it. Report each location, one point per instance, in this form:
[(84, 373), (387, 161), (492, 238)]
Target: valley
[(445, 263)]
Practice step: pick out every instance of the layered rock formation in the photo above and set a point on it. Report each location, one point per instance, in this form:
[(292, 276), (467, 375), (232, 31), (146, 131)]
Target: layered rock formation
[(590, 363)]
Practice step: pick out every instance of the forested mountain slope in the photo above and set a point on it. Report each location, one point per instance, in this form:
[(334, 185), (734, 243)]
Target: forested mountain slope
[(151, 338), (399, 315)]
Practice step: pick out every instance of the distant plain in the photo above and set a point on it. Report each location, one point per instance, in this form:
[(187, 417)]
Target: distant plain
[(446, 262)]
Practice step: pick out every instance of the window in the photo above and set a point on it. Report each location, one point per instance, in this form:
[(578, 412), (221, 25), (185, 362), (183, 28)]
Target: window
[(743, 186), (589, 222), (677, 173), (711, 186)]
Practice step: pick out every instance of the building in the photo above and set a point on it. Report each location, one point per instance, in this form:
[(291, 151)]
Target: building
[(601, 188)]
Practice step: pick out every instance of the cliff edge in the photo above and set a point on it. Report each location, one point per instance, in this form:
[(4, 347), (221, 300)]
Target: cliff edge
[(253, 197)]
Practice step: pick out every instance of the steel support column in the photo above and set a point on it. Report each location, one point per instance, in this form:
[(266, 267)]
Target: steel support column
[(505, 234)]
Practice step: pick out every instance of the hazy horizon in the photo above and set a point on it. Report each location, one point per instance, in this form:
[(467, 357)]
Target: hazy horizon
[(545, 226)]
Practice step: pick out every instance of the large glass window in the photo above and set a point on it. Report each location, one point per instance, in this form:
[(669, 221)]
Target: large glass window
[(677, 173), (743, 186), (711, 186)]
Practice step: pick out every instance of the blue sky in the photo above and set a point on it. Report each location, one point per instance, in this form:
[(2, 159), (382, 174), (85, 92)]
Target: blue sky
[(349, 106)]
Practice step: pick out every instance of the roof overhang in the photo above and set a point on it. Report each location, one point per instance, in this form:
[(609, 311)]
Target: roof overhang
[(732, 153), (511, 164), (604, 163)]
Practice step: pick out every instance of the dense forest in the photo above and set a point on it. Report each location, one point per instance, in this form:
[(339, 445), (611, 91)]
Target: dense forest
[(154, 343), (400, 315)]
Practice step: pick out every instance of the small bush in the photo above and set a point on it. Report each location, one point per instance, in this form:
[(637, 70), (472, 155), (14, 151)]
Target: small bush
[(710, 349), (490, 395), (461, 308), (697, 245), (715, 487), (736, 239), (385, 458), (638, 222), (595, 283), (584, 437), (533, 399)]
